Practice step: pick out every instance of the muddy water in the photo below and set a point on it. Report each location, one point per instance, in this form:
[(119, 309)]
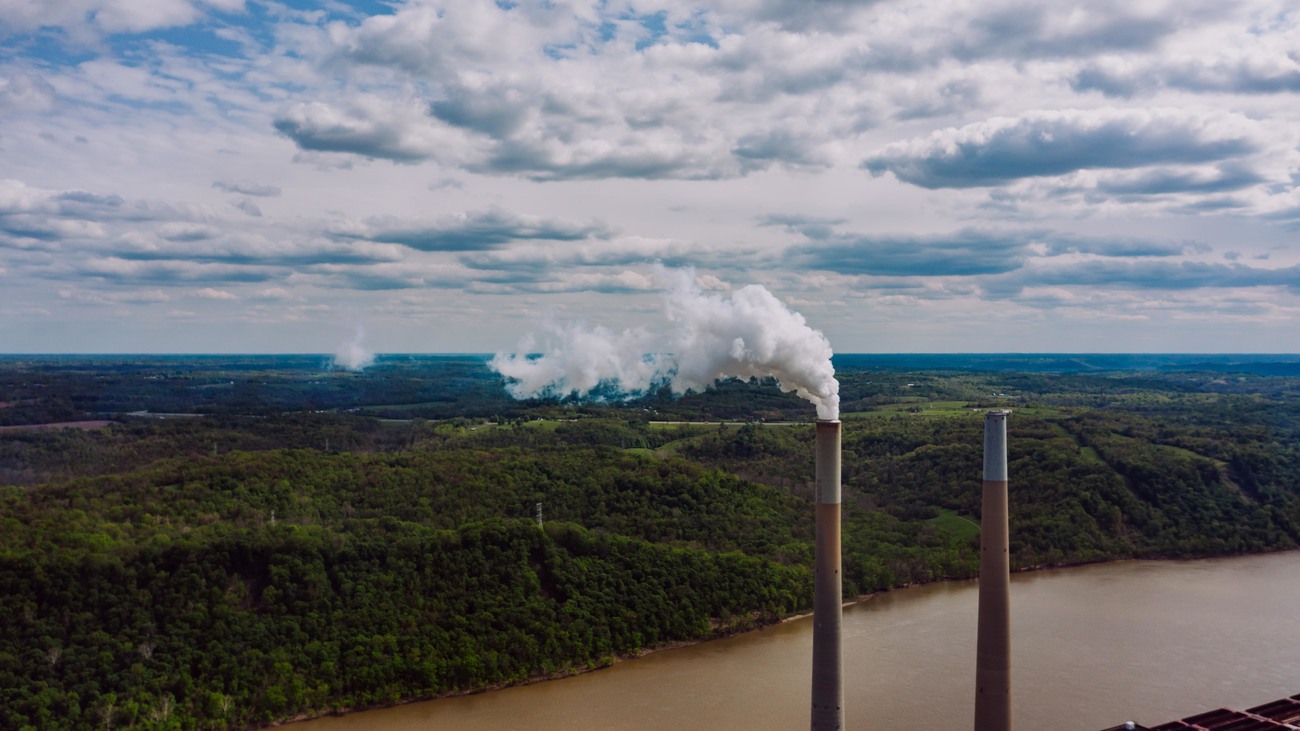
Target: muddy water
[(1092, 647)]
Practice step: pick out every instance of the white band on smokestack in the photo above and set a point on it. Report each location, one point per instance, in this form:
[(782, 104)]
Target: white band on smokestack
[(995, 446)]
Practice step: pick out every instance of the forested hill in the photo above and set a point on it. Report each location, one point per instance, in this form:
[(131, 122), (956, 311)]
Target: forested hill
[(323, 561), (256, 586)]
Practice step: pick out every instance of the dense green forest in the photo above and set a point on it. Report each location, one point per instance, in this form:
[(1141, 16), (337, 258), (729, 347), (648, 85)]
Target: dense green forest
[(306, 541)]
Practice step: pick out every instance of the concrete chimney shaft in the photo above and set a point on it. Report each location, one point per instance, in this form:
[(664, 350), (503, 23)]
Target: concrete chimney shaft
[(993, 650), (827, 660)]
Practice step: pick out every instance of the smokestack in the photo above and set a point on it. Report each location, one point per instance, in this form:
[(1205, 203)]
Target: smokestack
[(993, 650), (828, 666)]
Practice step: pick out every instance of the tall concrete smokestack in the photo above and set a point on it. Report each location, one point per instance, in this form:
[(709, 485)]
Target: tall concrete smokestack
[(827, 662), (993, 651)]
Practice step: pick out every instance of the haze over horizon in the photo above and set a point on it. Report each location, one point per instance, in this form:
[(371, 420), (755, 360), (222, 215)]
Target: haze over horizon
[(242, 176)]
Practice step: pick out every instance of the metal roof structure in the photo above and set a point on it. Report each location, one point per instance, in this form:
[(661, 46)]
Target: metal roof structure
[(1280, 714)]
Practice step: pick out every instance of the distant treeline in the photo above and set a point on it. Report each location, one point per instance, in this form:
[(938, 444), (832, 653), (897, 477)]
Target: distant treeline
[(43, 389)]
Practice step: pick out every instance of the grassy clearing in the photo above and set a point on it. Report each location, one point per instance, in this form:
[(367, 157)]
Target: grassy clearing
[(402, 407), (676, 445), (545, 425), (665, 425), (948, 409), (1088, 455), (915, 408), (959, 528), (1041, 412), (1183, 453)]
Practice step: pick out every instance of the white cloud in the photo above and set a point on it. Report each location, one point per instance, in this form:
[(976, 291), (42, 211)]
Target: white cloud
[(1043, 143), (247, 187), (214, 294), (572, 144), (274, 293), (115, 16), (397, 130), (82, 19), (435, 38), (25, 93)]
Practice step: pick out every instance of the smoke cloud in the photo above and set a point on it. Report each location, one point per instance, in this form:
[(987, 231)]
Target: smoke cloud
[(710, 337), (352, 355)]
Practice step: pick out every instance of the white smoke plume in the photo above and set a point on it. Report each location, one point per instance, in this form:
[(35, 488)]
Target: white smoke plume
[(352, 355), (711, 337)]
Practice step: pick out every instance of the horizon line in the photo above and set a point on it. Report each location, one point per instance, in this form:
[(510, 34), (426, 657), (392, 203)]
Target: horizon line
[(160, 354)]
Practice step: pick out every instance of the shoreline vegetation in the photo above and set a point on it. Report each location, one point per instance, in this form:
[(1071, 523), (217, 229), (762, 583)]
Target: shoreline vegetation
[(294, 551), (678, 644), (861, 599)]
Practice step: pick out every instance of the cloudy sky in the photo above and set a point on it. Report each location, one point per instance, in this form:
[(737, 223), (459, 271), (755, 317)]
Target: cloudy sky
[(930, 175)]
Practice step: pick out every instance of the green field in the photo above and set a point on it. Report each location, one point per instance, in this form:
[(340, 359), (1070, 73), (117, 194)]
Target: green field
[(945, 409), (916, 407), (958, 528)]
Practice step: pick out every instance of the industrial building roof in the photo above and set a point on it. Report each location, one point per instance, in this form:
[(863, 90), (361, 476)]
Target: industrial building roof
[(1280, 714)]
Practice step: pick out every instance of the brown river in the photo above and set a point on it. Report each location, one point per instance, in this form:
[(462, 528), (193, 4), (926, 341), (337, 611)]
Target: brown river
[(1092, 647)]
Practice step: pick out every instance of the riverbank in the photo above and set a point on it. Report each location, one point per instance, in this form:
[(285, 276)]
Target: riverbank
[(557, 675), (615, 660), (941, 584), (859, 599), (542, 678), (1094, 646)]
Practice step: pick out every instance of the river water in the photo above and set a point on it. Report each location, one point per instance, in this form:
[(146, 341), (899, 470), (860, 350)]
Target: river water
[(1092, 647)]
